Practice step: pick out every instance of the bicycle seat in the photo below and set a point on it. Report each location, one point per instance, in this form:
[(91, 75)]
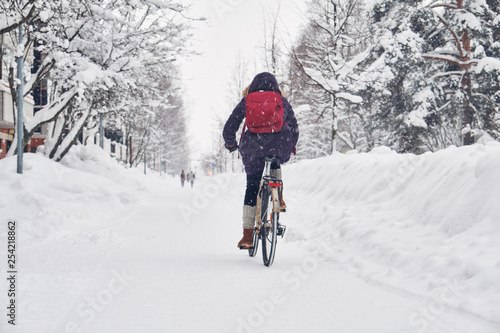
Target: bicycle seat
[(272, 159)]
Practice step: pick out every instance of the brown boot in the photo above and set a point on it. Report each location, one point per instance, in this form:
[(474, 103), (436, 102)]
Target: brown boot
[(247, 240)]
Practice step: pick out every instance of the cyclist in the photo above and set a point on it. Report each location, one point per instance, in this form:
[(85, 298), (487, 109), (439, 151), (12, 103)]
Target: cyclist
[(279, 142)]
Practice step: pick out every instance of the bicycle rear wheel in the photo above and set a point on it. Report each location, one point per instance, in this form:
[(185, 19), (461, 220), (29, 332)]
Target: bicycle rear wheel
[(268, 232)]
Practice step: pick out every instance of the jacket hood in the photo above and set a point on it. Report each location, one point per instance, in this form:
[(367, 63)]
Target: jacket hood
[(264, 81)]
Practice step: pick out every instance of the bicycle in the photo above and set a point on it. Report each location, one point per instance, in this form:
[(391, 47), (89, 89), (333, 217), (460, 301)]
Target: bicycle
[(267, 227)]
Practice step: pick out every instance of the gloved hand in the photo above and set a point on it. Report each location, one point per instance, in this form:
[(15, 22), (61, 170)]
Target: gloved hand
[(231, 148)]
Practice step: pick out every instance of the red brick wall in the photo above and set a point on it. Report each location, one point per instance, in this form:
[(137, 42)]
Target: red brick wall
[(3, 143), (30, 147), (3, 147), (35, 143)]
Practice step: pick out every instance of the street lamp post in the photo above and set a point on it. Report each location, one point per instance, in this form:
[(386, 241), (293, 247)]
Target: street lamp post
[(20, 102)]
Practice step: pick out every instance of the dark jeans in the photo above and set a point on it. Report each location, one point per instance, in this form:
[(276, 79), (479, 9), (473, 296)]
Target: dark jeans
[(253, 183)]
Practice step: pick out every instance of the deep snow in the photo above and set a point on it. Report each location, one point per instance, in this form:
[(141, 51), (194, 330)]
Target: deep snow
[(376, 242)]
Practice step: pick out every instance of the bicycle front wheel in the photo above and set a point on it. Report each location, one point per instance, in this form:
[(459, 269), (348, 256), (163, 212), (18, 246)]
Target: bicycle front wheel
[(268, 231)]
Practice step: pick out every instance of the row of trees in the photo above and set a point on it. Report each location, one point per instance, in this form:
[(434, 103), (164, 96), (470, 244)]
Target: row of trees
[(415, 75), (412, 75), (115, 59)]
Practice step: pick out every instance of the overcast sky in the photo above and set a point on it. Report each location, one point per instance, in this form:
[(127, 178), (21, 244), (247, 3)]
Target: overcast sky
[(232, 26)]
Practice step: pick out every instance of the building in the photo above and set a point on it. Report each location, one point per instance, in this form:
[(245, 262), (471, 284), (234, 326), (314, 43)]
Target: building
[(7, 126), (7, 120), (112, 144)]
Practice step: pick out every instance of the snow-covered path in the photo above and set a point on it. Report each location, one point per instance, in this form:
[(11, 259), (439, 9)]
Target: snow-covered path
[(170, 264), (168, 271)]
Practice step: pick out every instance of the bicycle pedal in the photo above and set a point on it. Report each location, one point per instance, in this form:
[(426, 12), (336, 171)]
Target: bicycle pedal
[(246, 248), (281, 230)]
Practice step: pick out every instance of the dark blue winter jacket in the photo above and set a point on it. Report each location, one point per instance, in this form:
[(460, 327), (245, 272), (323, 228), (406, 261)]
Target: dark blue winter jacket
[(254, 146)]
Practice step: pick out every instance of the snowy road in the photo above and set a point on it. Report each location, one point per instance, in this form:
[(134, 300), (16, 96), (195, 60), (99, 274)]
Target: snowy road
[(171, 265), (101, 257)]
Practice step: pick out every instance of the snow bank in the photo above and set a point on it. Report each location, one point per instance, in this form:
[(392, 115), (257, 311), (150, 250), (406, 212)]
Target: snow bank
[(418, 223), (425, 225), (54, 201)]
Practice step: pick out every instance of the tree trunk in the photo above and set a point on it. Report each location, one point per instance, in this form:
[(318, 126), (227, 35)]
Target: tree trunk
[(129, 149), (58, 133), (71, 138), (463, 54), (334, 125), (468, 136)]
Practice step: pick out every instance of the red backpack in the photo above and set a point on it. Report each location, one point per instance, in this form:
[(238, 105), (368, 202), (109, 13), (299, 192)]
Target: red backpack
[(264, 112)]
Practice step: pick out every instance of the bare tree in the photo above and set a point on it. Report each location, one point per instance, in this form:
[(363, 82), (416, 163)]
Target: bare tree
[(327, 56), (87, 52), (461, 58)]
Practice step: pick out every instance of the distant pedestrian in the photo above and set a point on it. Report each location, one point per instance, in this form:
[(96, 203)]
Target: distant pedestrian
[(191, 177), (183, 178)]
